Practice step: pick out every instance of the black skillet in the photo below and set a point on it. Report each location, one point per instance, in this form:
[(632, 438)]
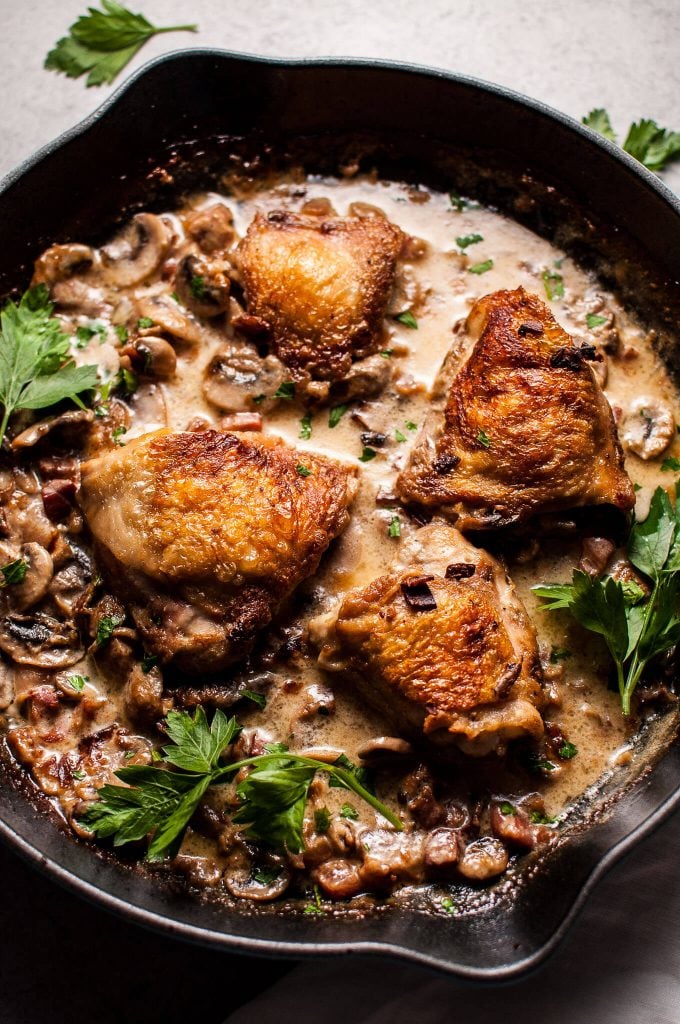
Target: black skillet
[(176, 124)]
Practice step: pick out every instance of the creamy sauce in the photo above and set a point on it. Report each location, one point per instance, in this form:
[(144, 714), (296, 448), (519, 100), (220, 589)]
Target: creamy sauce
[(439, 288)]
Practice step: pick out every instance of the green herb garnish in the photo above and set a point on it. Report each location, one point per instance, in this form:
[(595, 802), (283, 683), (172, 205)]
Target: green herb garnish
[(322, 820), (410, 425), (303, 470), (595, 320), (646, 141), (671, 465), (336, 414), (158, 800), (257, 698), (148, 662), (483, 438), (394, 529), (117, 434), (347, 811), (367, 454), (77, 683), (567, 751), (306, 427), (13, 572), (506, 808), (553, 284), (448, 905), (36, 370), (407, 319), (285, 391), (539, 818), (197, 286), (481, 268), (105, 628), (144, 322), (463, 241), (559, 654), (101, 43), (398, 436), (635, 633), (122, 332)]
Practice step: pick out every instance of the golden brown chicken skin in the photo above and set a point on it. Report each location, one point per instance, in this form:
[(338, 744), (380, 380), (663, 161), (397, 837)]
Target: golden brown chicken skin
[(519, 424), (319, 284), (443, 647), (205, 534)]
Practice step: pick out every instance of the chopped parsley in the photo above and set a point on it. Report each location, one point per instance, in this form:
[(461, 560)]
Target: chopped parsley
[(567, 751), (117, 434), (13, 572), (398, 436), (367, 454), (148, 662), (407, 319), (553, 284), (322, 820), (559, 654), (671, 465), (410, 425), (259, 399), (336, 414), (265, 876), (77, 683), (79, 775), (144, 322), (394, 529), (386, 353), (448, 905), (463, 241), (481, 268), (483, 438), (256, 698), (594, 320), (122, 332), (286, 391), (306, 427), (539, 818), (460, 203), (303, 470), (347, 811), (105, 628), (507, 808), (197, 287)]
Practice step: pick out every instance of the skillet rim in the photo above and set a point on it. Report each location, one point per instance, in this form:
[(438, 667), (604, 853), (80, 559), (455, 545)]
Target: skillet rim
[(602, 862)]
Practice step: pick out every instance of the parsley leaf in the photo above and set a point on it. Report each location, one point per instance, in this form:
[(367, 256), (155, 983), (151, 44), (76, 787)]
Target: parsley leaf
[(394, 529), (77, 683), (105, 628), (158, 801), (101, 43), (35, 368), (595, 320), (303, 470), (635, 626), (257, 698), (286, 391), (481, 268), (347, 811), (671, 465), (407, 319), (463, 241), (306, 427), (553, 284), (367, 454), (599, 121), (483, 438), (13, 572), (336, 414), (651, 145)]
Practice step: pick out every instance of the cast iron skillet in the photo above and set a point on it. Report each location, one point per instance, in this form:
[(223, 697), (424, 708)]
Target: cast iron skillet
[(185, 114)]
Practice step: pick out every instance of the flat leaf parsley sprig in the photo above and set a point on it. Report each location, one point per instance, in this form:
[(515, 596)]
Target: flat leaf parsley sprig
[(101, 43), (36, 370), (158, 800), (646, 141), (636, 626)]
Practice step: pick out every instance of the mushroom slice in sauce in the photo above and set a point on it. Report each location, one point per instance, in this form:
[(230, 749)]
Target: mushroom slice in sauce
[(137, 252)]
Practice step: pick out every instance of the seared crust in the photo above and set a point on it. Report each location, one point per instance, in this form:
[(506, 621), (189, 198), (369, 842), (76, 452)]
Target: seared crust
[(209, 532), (467, 670), (320, 284), (519, 427)]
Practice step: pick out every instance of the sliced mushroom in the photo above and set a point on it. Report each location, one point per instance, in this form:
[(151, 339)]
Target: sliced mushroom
[(365, 378), (648, 427), (483, 859), (153, 357), (212, 228), (149, 410), (236, 376), (265, 881), (137, 251), (72, 418), (6, 685), (60, 262), (171, 318), (78, 296), (382, 745), (203, 286), (33, 587), (40, 640)]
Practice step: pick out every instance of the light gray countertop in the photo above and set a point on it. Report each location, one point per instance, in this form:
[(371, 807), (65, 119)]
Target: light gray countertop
[(620, 962)]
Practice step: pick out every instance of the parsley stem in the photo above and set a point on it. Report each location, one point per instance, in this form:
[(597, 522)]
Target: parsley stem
[(176, 28), (3, 425), (344, 776)]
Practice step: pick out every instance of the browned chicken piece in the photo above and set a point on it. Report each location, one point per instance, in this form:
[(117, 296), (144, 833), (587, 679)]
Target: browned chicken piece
[(205, 534), (519, 424), (319, 285), (443, 647)]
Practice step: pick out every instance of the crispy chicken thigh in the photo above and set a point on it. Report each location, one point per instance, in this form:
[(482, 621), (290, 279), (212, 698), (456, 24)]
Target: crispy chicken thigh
[(519, 424), (205, 534), (442, 646), (319, 284)]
